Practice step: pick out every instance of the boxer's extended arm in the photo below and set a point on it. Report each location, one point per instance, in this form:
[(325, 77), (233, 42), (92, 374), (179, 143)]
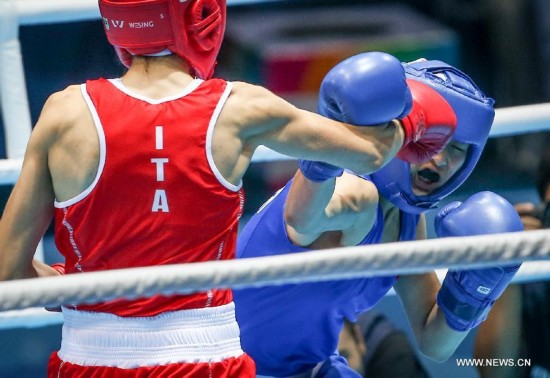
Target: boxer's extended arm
[(254, 116), (344, 210), (418, 294), (367, 90)]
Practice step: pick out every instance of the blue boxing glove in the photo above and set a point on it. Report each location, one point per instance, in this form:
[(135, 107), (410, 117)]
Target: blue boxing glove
[(366, 89), (467, 296)]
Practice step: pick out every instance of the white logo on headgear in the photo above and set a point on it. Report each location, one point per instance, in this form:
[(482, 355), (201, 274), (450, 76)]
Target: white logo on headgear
[(141, 25), (118, 23)]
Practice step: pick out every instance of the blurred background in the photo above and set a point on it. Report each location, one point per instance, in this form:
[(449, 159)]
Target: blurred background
[(288, 46)]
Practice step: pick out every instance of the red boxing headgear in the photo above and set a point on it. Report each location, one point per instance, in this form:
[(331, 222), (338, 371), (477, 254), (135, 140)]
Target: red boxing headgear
[(191, 29)]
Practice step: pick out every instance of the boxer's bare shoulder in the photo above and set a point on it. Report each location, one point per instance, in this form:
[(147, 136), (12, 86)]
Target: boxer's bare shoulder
[(72, 141)]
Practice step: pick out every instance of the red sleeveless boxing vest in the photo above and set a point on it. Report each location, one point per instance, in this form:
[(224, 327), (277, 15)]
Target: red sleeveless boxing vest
[(157, 198)]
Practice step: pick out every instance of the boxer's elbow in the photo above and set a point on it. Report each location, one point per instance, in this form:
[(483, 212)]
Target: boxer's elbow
[(298, 222)]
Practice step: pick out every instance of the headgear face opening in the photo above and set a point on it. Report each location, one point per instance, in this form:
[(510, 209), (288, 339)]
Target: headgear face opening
[(191, 29), (475, 114)]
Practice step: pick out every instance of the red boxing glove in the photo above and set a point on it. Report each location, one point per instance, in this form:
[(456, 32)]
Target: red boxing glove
[(428, 127), (60, 267)]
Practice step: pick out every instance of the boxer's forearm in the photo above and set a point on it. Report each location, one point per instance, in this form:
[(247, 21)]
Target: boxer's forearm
[(306, 203), (437, 340)]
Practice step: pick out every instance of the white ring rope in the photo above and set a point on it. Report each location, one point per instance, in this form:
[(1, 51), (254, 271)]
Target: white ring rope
[(363, 261), (35, 317), (519, 120)]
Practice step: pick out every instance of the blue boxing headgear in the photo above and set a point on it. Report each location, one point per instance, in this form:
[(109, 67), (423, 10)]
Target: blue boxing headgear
[(475, 114)]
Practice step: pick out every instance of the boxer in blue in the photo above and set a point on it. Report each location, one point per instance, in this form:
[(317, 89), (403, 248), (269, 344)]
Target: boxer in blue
[(292, 330)]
